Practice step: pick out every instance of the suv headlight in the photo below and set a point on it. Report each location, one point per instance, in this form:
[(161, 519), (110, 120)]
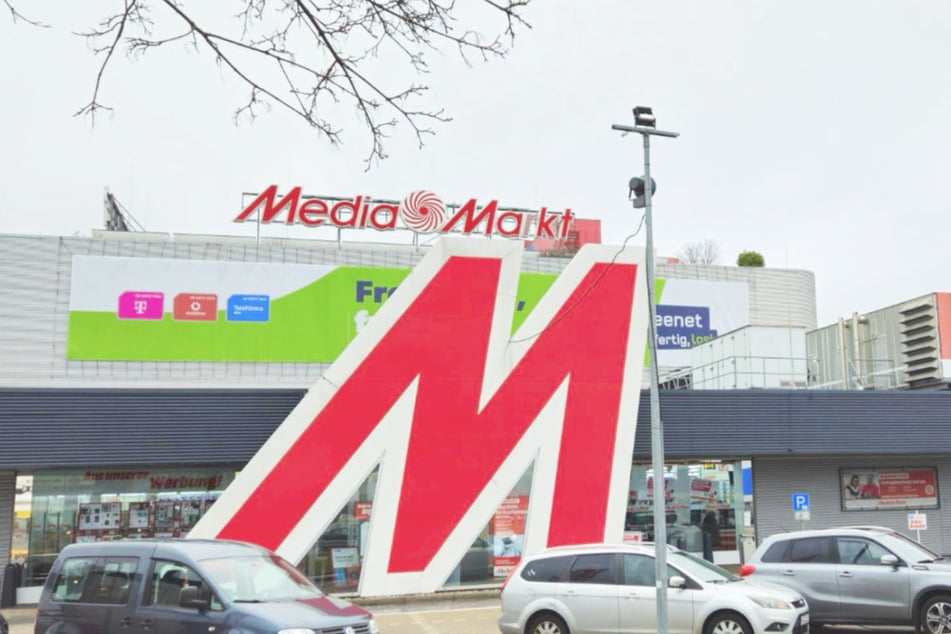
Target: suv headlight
[(773, 603)]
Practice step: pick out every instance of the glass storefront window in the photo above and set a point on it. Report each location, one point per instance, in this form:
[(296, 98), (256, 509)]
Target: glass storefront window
[(336, 560), (53, 509), (334, 563), (704, 507)]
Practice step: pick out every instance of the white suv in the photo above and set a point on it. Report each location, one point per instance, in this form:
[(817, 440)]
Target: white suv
[(607, 588)]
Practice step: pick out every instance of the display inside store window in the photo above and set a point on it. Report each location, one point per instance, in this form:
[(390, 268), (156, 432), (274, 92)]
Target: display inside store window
[(54, 509), (699, 510), (140, 515), (156, 518)]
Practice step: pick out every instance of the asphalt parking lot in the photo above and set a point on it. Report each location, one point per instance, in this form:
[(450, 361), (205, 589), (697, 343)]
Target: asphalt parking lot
[(456, 613)]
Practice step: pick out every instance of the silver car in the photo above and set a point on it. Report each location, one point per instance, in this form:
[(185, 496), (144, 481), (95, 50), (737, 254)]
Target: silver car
[(859, 575), (610, 588)]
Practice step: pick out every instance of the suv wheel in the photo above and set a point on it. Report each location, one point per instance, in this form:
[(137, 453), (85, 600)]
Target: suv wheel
[(547, 623), (936, 614), (727, 623)]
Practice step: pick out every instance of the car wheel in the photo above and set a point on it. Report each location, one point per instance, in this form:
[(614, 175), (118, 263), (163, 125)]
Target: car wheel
[(936, 615), (727, 623), (547, 623)]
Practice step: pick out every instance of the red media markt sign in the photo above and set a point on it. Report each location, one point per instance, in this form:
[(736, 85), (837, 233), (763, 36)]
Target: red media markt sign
[(453, 408), (421, 211)]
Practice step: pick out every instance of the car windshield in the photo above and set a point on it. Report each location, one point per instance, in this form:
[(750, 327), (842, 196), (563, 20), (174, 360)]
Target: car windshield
[(699, 569), (908, 549), (258, 578)]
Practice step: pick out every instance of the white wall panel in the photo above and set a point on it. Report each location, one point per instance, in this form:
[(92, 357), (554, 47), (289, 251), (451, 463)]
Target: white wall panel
[(35, 280)]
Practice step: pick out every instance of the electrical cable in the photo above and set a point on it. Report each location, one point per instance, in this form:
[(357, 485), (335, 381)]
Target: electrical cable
[(590, 288)]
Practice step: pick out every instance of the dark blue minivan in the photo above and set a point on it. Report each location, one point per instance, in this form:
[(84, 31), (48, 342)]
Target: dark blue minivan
[(187, 586)]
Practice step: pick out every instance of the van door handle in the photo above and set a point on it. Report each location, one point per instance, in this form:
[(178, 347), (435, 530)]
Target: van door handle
[(126, 622), (845, 574), (147, 624), (789, 573)]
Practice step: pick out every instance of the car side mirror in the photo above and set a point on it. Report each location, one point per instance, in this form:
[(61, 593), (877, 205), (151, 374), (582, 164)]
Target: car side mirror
[(676, 582), (889, 560), (188, 598)]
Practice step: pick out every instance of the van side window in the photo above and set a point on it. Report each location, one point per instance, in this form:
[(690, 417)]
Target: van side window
[(166, 581), (71, 579), (113, 580)]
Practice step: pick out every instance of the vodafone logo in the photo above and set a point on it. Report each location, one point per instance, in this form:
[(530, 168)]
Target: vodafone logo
[(423, 211)]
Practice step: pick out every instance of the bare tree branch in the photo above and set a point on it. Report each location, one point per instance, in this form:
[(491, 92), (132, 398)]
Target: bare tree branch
[(16, 15), (114, 25), (703, 252), (306, 56)]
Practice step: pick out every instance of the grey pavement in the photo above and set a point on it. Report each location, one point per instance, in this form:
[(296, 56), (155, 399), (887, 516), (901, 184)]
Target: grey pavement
[(472, 612), (457, 612)]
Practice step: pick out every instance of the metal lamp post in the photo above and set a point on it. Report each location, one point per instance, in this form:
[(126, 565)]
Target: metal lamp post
[(645, 125)]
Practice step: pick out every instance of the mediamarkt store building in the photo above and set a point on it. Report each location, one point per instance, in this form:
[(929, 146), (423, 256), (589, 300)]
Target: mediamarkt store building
[(142, 372)]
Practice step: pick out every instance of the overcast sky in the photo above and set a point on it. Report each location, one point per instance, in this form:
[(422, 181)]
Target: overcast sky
[(814, 132)]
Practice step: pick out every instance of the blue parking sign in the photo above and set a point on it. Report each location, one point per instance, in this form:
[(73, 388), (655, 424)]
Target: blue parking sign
[(800, 501)]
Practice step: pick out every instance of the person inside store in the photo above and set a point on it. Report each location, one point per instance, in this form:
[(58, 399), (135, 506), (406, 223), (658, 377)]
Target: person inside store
[(854, 488), (711, 533)]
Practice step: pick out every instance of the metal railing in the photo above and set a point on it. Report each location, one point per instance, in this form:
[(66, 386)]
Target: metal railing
[(760, 372)]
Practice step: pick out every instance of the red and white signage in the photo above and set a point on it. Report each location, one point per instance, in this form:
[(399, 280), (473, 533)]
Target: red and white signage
[(454, 409), (889, 488), (917, 522), (420, 211)]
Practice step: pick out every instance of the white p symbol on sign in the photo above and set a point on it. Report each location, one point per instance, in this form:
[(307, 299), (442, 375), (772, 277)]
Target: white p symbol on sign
[(800, 501)]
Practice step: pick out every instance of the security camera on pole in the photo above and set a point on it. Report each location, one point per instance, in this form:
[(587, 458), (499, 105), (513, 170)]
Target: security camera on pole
[(640, 194)]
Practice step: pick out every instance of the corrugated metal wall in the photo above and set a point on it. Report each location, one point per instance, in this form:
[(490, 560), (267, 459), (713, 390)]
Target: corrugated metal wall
[(7, 493), (94, 428), (87, 427), (49, 428), (35, 278), (776, 479), (757, 423)]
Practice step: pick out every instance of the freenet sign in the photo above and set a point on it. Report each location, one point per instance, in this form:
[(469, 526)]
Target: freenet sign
[(421, 211)]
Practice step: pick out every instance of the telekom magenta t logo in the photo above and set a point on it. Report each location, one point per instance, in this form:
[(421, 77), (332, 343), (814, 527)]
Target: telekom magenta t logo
[(139, 305), (453, 408)]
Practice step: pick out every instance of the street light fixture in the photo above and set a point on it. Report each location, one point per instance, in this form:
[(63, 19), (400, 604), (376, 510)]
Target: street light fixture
[(641, 190), (644, 116)]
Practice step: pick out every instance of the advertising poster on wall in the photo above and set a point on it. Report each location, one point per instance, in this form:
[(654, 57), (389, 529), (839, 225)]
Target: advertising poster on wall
[(346, 564), (151, 309), (508, 534), (691, 312), (868, 489)]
